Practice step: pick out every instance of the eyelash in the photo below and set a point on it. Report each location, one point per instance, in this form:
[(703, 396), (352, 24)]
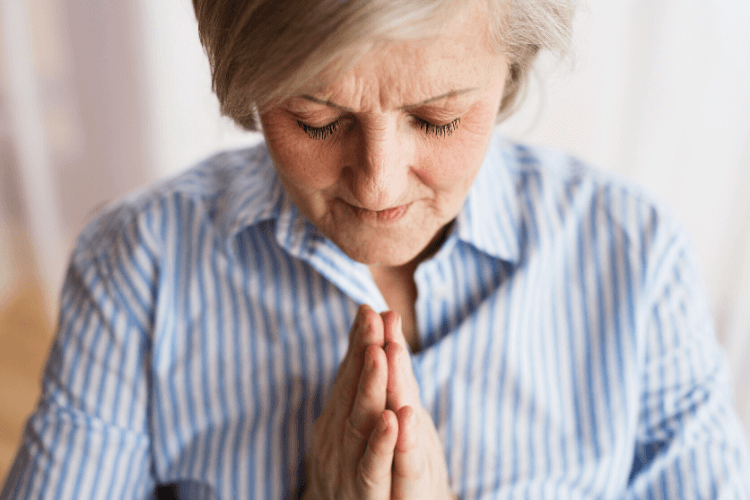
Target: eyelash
[(322, 133), (438, 130)]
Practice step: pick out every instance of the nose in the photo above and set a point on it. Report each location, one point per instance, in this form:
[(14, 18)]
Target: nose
[(379, 179)]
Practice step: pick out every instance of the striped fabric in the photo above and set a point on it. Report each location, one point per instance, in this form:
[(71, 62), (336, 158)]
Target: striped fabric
[(566, 346)]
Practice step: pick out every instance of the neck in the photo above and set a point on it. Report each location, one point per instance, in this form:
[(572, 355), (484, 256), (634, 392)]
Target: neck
[(396, 284)]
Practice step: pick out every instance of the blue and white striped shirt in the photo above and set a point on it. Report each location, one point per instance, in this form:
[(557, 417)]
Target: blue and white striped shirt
[(566, 346)]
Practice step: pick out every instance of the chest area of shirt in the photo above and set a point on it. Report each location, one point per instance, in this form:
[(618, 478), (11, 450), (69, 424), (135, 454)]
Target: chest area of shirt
[(515, 376), (475, 321)]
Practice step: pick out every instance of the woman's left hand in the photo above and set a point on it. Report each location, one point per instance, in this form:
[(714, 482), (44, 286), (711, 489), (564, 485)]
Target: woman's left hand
[(419, 467)]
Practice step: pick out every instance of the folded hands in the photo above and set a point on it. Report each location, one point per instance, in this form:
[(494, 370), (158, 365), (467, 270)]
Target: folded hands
[(374, 440)]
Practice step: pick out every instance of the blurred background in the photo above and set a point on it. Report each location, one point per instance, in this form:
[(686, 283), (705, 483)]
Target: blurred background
[(100, 97)]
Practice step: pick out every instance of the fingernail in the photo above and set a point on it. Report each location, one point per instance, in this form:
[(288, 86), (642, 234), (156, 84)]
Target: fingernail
[(369, 361), (383, 425)]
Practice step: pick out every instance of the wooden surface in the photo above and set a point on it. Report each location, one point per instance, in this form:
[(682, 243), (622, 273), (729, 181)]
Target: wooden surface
[(25, 336)]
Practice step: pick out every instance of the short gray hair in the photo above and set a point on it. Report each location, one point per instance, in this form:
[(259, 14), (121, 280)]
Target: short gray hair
[(264, 51)]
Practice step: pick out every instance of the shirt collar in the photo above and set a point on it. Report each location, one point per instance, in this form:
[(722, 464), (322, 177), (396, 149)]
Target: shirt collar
[(488, 221), (254, 193), (490, 218)]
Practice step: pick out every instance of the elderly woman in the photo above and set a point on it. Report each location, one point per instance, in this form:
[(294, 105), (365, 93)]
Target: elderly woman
[(385, 299)]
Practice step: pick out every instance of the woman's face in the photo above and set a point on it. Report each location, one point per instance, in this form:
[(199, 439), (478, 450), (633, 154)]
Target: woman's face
[(383, 160)]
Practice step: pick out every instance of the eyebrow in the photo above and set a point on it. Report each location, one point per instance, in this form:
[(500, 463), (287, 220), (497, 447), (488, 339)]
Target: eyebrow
[(452, 93)]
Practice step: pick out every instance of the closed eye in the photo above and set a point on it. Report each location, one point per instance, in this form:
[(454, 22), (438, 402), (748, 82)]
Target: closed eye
[(437, 130), (320, 133), (324, 132)]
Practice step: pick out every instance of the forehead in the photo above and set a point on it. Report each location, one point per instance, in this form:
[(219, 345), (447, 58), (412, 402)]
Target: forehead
[(393, 73)]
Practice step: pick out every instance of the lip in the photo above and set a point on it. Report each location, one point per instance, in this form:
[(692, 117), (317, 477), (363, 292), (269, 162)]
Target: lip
[(387, 216), (392, 214)]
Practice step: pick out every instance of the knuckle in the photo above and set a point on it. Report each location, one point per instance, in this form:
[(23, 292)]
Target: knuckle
[(370, 385), (345, 397), (365, 389), (322, 453), (352, 431)]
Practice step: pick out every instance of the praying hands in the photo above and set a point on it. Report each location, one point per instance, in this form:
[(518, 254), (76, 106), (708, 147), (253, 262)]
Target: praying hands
[(374, 440)]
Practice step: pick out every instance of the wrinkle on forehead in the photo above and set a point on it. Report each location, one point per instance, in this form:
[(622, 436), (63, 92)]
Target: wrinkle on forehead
[(406, 73)]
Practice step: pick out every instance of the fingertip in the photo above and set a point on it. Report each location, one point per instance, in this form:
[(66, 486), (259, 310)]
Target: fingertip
[(371, 328), (358, 318), (364, 309), (385, 434), (391, 420), (405, 414), (392, 327), (364, 312), (389, 317), (388, 430), (356, 326)]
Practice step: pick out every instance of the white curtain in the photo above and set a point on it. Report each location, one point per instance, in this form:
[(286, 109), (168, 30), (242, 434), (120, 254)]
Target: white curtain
[(100, 97)]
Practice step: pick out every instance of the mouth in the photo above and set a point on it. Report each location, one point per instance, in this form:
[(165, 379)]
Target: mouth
[(392, 214), (388, 216)]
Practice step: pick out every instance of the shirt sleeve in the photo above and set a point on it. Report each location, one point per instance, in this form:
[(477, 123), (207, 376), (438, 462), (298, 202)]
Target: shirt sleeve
[(690, 443), (88, 437)]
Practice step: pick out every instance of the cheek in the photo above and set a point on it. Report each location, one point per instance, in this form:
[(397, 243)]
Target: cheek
[(309, 165), (452, 163)]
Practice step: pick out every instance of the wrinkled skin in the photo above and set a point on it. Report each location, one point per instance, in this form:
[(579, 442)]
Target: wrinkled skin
[(383, 183)]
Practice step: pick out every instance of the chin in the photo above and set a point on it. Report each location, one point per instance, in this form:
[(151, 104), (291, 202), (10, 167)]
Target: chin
[(381, 252)]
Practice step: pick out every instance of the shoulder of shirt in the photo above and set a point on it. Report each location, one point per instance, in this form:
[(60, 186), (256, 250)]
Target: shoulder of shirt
[(646, 225), (558, 168), (216, 186)]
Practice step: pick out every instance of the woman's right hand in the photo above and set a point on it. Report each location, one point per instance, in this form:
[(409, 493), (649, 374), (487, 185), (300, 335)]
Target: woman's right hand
[(355, 436)]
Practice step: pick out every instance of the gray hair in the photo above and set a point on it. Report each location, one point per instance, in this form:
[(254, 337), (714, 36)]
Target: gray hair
[(264, 51)]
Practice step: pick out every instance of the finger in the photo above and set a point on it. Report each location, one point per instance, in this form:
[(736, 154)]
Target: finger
[(374, 468), (356, 326), (402, 384), (369, 403), (393, 332), (408, 461), (366, 330)]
